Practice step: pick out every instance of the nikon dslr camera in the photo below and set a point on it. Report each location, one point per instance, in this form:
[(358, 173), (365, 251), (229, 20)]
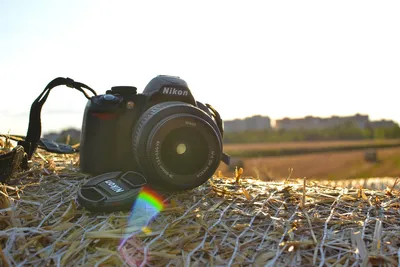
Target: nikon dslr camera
[(164, 134)]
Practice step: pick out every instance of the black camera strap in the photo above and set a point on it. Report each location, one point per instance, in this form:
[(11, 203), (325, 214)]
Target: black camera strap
[(35, 127), (19, 156)]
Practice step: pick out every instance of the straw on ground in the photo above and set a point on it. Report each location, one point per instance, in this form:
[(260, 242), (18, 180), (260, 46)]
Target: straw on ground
[(235, 221)]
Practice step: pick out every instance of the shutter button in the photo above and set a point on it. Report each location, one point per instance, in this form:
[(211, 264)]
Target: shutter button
[(109, 97)]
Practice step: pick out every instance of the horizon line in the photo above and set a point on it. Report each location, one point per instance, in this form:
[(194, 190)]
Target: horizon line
[(312, 116)]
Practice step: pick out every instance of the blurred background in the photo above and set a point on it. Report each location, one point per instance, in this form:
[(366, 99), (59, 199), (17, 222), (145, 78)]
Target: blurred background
[(309, 85)]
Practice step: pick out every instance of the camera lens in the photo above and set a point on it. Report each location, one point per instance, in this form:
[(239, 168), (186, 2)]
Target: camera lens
[(176, 145), (184, 151)]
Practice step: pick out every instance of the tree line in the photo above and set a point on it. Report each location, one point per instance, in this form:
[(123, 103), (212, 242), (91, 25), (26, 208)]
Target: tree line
[(347, 131)]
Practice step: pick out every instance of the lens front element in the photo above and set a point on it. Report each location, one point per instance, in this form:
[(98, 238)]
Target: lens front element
[(184, 151), (181, 149)]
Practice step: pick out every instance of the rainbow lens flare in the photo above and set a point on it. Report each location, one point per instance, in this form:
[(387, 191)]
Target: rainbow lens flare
[(146, 207), (151, 198)]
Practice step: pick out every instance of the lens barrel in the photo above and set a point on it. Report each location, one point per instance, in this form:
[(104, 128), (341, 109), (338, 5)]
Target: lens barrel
[(177, 146)]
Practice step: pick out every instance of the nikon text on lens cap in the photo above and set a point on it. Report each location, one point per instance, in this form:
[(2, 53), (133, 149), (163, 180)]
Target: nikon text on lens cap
[(112, 191)]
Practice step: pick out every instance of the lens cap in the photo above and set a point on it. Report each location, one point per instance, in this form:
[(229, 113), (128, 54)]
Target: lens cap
[(112, 191)]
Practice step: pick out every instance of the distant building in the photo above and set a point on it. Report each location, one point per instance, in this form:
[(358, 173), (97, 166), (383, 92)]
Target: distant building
[(310, 122), (383, 124), (257, 122), (236, 125), (306, 123)]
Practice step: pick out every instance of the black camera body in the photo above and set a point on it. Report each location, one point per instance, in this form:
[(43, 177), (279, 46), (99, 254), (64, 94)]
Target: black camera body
[(162, 133)]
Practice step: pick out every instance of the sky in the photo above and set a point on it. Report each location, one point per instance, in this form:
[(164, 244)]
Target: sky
[(273, 58)]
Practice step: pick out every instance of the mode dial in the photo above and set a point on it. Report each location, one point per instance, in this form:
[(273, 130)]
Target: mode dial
[(124, 90)]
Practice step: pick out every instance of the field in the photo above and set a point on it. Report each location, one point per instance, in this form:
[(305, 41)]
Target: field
[(301, 148), (326, 165), (311, 144)]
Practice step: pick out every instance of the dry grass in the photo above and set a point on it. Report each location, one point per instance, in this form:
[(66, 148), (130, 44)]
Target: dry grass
[(235, 221), (330, 165)]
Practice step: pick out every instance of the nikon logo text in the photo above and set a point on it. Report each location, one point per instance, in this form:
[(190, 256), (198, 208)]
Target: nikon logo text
[(114, 187), (174, 91)]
